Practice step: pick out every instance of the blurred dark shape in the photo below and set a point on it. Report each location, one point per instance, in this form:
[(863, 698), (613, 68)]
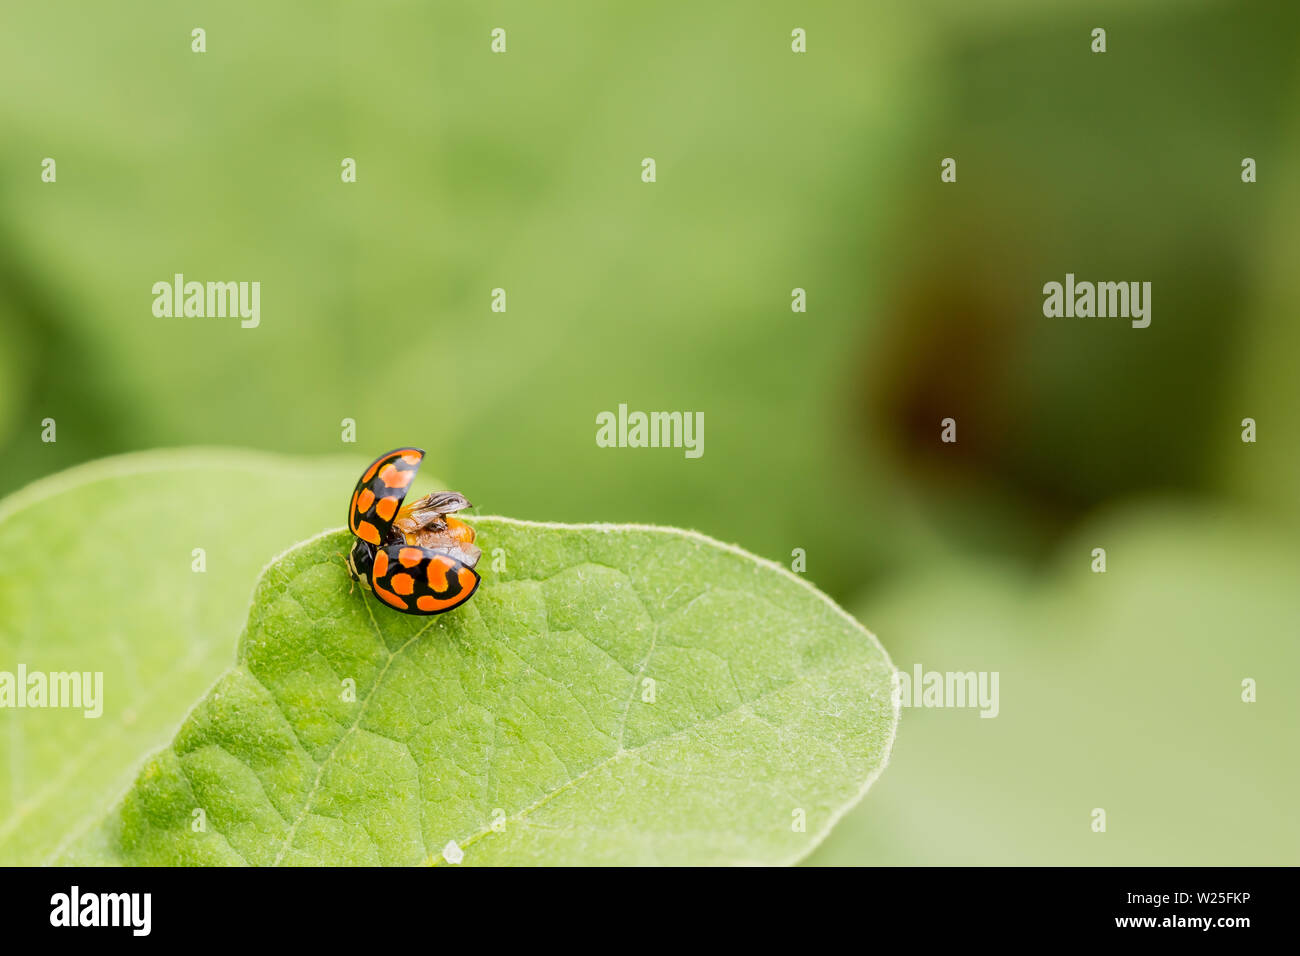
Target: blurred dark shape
[(1101, 166)]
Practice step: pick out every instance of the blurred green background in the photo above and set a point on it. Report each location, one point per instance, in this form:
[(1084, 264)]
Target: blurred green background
[(775, 171)]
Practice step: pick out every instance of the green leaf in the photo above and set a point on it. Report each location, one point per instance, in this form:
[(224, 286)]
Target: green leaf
[(531, 708), (96, 574)]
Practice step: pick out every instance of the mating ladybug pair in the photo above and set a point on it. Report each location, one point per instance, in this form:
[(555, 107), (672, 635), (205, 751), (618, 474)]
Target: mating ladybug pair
[(414, 558)]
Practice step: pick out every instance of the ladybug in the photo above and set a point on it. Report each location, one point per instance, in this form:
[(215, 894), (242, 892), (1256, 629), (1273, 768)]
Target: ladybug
[(415, 558)]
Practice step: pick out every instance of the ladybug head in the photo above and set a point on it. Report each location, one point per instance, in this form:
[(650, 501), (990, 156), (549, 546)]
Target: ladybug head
[(361, 561)]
